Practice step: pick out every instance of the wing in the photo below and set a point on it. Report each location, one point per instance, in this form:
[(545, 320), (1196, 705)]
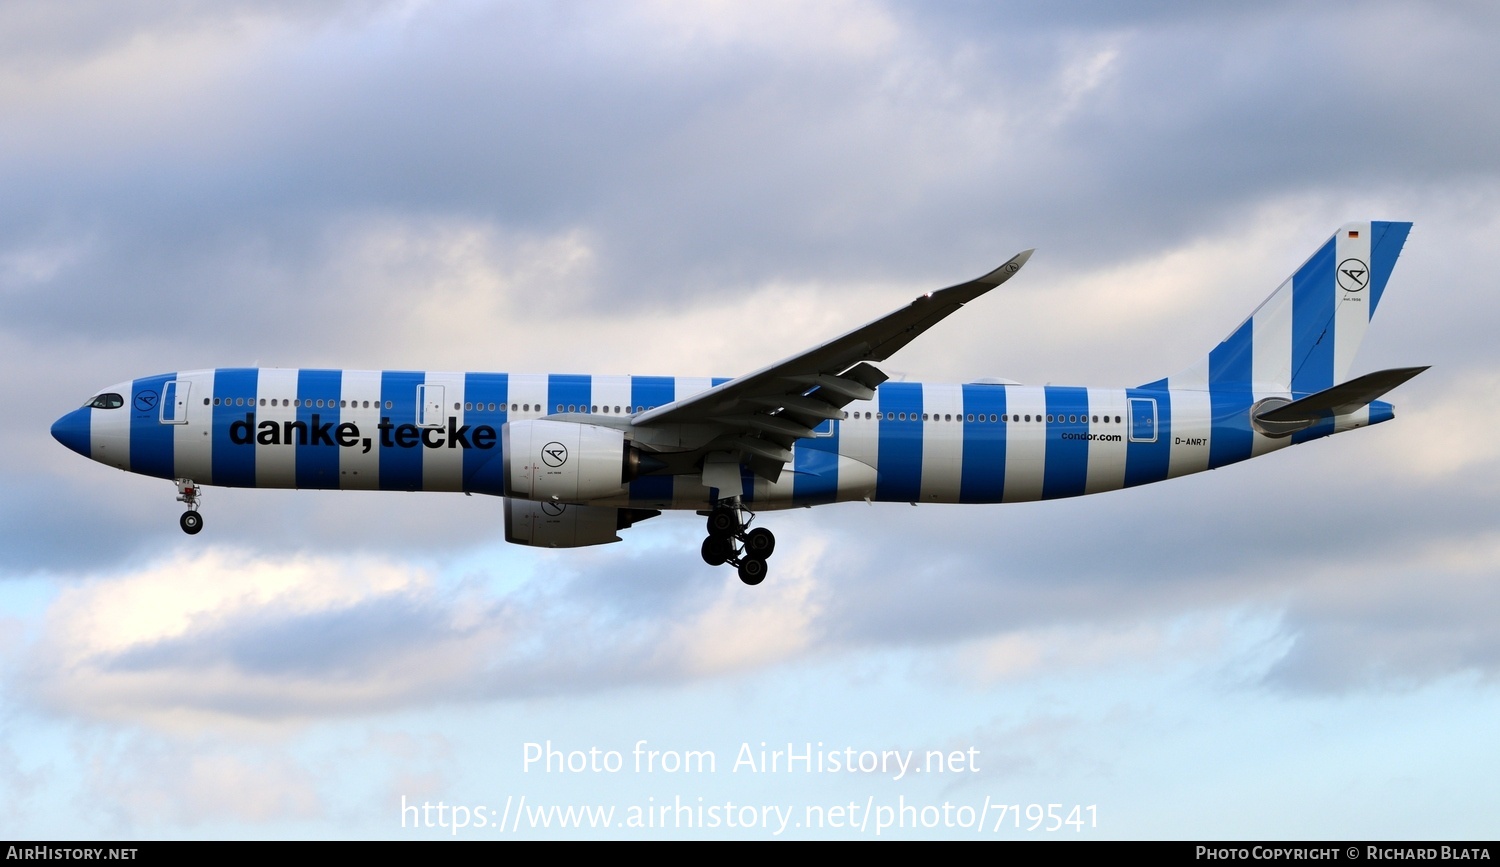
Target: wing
[(757, 417)]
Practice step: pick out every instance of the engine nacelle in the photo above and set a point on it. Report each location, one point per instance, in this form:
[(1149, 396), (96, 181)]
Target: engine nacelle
[(566, 462), (554, 525)]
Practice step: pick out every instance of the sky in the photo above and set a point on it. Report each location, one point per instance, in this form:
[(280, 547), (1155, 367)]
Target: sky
[(1301, 646)]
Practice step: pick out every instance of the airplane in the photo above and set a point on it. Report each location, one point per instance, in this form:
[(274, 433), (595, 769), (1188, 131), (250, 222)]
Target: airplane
[(579, 458)]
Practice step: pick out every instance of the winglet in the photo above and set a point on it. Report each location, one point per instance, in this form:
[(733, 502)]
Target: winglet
[(963, 293), (1004, 272)]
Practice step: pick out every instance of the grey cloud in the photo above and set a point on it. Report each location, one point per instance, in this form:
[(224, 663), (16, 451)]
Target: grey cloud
[(35, 34), (704, 173), (1434, 627), (1277, 533), (335, 643), (609, 619)]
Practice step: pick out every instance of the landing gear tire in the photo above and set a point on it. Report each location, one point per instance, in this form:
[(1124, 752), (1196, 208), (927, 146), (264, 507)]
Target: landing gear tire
[(190, 495), (760, 542), (752, 570), (716, 552), (723, 523)]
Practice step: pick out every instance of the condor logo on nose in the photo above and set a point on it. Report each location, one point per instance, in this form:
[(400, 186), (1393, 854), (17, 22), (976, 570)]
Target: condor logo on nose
[(554, 454)]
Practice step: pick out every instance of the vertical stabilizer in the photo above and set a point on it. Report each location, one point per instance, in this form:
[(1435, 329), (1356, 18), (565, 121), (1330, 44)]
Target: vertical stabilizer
[(1304, 337)]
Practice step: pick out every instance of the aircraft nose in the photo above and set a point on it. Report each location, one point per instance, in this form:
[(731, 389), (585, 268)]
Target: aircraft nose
[(72, 430)]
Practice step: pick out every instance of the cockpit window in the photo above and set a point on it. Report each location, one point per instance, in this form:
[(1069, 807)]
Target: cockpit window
[(107, 401)]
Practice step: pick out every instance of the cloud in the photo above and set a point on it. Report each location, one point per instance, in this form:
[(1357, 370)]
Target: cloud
[(197, 640), (224, 635), (146, 782), (1416, 619), (1446, 437), (1072, 649), (695, 152)]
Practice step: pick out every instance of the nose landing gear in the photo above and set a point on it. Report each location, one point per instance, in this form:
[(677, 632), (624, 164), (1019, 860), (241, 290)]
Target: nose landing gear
[(729, 542), (190, 494)]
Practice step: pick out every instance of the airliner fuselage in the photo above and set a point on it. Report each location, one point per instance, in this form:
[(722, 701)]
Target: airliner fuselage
[(578, 458), (431, 431)]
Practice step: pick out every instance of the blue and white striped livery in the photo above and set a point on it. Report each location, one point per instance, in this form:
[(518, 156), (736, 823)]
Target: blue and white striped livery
[(578, 458)]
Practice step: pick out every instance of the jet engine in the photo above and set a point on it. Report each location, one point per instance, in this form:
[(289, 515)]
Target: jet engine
[(554, 525), (567, 462)]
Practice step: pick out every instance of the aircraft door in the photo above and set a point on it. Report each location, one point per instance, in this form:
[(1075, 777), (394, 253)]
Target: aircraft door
[(1142, 420), (174, 401), (430, 399)]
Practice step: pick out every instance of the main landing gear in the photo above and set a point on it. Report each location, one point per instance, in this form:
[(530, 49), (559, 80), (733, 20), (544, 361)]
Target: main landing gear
[(191, 494), (729, 542)]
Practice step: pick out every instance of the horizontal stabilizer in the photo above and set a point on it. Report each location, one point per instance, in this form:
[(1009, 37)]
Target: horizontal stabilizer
[(1346, 397)]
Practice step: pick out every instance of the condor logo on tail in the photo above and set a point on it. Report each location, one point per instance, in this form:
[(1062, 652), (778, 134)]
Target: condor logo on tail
[(1354, 275)]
